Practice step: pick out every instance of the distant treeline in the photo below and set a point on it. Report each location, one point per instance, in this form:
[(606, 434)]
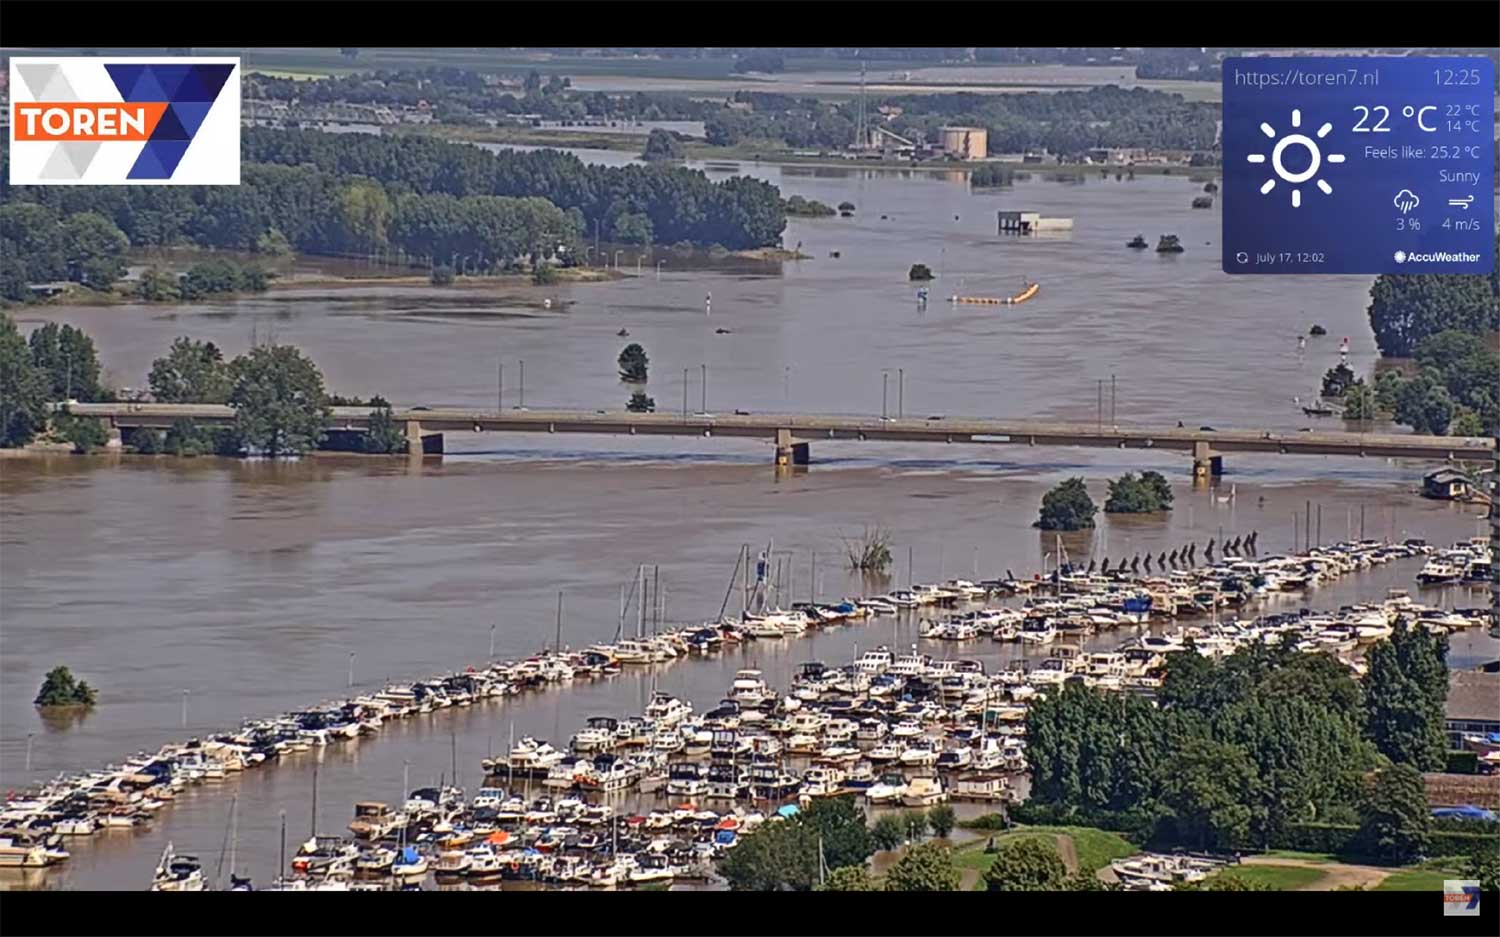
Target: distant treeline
[(1065, 122), (341, 193)]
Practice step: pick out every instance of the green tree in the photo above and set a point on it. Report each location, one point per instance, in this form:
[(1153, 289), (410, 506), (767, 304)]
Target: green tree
[(186, 438), (157, 286), (1484, 865), (851, 878), (95, 249), (888, 831), (1209, 786), (1160, 487), (839, 823), (1388, 386), (1442, 350), (1359, 402), (1394, 821), (24, 388), (1026, 863), (442, 275), (633, 228), (190, 372), (924, 867), (1067, 507), (919, 272), (545, 275), (364, 214), (1406, 693), (916, 824), (1406, 308), (1466, 423), (279, 400), (67, 359), (661, 145), (385, 436), (59, 689), (942, 819), (777, 855), (633, 363), (273, 244), (86, 433), (1425, 405), (1131, 494)]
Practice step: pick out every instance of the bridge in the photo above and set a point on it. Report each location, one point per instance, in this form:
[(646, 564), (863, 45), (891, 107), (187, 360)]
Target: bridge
[(792, 434)]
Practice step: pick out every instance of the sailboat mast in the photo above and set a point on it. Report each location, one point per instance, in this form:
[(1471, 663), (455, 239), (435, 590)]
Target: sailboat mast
[(234, 835), (738, 561), (655, 599), (557, 642), (640, 612), (315, 800)]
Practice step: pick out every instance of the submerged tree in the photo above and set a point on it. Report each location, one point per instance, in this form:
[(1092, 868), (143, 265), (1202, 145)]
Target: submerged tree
[(279, 401), (1067, 507), (870, 552), (385, 436), (60, 689), (633, 363), (639, 402)]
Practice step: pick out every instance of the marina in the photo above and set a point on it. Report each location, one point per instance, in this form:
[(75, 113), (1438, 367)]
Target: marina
[(656, 797)]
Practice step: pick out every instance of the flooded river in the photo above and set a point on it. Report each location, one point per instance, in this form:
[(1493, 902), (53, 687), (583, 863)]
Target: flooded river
[(249, 585)]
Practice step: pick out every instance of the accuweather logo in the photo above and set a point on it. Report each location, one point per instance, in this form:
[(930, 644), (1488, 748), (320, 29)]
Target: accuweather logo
[(125, 121), (1461, 897)]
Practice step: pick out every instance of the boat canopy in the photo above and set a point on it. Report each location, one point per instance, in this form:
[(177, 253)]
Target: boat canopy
[(410, 856), (790, 810)]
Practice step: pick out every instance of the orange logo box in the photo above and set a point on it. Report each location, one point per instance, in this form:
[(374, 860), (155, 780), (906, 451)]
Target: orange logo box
[(76, 120)]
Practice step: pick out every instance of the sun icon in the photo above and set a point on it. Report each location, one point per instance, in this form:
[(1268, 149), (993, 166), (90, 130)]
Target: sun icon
[(1315, 160)]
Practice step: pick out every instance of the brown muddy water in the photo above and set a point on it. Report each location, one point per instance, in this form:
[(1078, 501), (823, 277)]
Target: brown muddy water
[(249, 584)]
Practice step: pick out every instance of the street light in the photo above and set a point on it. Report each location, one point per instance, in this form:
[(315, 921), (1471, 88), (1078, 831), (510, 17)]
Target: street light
[(658, 268), (617, 259)]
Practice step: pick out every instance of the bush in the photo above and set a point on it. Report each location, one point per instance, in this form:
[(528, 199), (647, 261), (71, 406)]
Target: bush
[(147, 441), (1338, 380), (919, 272), (1026, 863), (1463, 763), (84, 432), (1203, 201), (442, 275), (545, 275), (800, 207), (640, 403), (916, 824), (1067, 507)]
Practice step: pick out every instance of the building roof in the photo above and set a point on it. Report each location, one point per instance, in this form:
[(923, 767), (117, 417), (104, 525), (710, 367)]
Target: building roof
[(1474, 696), (1446, 475)]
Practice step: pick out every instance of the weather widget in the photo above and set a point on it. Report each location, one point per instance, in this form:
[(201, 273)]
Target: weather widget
[(1358, 165)]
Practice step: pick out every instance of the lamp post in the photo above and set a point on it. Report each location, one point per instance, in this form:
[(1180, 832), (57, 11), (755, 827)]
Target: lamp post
[(617, 259), (658, 268), (351, 668)]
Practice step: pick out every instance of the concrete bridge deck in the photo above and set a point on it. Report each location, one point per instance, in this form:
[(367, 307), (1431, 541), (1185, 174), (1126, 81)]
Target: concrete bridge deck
[(792, 432)]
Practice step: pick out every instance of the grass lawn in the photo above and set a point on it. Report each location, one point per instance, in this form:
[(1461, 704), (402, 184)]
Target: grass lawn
[(1304, 856), (1277, 877), (1417, 879), (1095, 848)]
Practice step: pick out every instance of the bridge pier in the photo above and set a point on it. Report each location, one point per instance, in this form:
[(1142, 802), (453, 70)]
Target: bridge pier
[(1206, 462), (789, 451), (419, 445)]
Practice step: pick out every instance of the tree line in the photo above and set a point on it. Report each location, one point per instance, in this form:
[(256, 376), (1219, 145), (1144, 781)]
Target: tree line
[(281, 404), (422, 197), (1065, 123), (1270, 747)]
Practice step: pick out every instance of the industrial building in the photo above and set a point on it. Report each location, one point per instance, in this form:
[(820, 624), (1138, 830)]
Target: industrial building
[(1030, 222), (966, 143)]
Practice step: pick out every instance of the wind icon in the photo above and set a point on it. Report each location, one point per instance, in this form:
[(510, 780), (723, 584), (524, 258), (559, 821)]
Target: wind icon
[(1314, 163)]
